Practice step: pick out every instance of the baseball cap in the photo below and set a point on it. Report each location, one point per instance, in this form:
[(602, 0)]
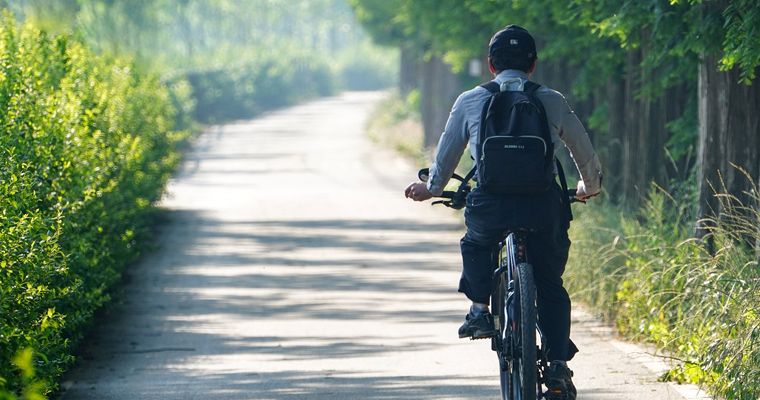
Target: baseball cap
[(514, 41)]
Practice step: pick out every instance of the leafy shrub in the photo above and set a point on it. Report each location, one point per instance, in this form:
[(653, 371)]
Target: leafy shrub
[(366, 68), (265, 81), (243, 91), (86, 148), (697, 299)]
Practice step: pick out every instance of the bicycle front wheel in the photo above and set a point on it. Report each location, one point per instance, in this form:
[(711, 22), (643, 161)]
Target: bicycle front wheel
[(524, 369), (501, 342)]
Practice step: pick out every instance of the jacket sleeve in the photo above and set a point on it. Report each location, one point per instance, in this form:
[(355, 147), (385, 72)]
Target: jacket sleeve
[(451, 145), (575, 137)]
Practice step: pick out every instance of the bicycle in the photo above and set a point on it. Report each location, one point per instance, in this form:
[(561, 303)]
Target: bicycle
[(522, 363)]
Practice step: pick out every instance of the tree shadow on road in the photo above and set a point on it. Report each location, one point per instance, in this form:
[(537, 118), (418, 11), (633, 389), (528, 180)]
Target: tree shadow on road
[(296, 384), (165, 324)]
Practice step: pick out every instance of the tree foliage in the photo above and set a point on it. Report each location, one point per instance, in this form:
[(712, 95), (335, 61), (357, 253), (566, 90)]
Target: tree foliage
[(241, 57), (741, 42), (200, 33)]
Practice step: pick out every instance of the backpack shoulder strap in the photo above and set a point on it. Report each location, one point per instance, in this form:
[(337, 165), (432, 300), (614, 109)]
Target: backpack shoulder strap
[(492, 86), (563, 185), (530, 87)]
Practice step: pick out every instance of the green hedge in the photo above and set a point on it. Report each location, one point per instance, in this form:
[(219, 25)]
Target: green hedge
[(85, 150), (366, 68), (243, 91), (271, 81), (696, 299)]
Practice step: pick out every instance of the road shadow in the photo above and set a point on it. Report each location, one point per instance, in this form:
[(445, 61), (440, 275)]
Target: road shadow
[(292, 384), (168, 314)]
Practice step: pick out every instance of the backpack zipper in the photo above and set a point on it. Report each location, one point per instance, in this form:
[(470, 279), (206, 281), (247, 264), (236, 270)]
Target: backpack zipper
[(483, 147)]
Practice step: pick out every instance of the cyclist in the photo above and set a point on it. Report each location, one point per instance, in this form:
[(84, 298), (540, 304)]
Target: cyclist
[(512, 60)]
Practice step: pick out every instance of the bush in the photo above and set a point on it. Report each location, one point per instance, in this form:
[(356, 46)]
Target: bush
[(696, 299), (367, 68), (243, 91), (265, 81), (86, 148)]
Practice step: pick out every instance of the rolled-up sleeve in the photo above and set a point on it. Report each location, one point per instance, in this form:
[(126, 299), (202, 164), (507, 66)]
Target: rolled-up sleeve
[(451, 145)]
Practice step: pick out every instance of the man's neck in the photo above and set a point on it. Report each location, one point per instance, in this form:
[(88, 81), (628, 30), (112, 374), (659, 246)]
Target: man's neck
[(511, 73)]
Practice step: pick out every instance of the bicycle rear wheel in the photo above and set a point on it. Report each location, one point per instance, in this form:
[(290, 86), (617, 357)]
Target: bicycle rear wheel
[(524, 369)]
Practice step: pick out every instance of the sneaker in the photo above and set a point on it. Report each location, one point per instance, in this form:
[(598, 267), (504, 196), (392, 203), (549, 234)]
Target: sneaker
[(477, 326), (559, 382)]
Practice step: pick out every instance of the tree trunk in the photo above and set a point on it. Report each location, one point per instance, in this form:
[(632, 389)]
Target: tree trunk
[(409, 70), (729, 135), (439, 90), (644, 128), (630, 155), (560, 76), (612, 160)]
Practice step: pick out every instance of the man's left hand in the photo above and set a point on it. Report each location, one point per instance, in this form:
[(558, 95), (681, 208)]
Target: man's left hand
[(418, 191), (581, 194)]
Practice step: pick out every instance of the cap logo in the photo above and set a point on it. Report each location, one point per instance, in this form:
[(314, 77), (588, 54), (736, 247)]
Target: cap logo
[(513, 41)]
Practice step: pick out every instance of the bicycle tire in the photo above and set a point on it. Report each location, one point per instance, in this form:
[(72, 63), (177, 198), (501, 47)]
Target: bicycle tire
[(524, 373), (500, 340)]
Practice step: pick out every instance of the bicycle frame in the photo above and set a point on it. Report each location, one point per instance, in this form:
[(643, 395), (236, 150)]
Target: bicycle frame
[(511, 252)]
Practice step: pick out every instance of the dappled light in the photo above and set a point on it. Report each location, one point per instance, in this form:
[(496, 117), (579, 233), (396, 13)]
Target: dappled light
[(220, 199)]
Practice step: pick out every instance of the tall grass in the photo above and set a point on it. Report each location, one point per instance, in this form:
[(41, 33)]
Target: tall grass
[(395, 124), (695, 298)]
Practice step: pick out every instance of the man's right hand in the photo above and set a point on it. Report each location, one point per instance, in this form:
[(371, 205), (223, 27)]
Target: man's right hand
[(417, 191)]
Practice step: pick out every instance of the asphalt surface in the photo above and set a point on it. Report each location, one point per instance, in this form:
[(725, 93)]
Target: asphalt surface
[(290, 266)]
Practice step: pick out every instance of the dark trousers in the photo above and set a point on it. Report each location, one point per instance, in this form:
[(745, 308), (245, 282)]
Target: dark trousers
[(488, 217)]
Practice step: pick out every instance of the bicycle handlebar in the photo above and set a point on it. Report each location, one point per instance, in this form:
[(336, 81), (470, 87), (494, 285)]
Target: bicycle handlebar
[(571, 194), (457, 199)]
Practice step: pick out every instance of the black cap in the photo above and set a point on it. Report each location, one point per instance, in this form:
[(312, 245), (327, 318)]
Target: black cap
[(513, 41)]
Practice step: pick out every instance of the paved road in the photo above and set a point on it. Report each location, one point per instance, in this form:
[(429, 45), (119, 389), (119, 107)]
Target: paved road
[(289, 266)]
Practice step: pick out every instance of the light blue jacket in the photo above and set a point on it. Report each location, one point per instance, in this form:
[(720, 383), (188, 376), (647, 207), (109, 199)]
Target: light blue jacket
[(464, 123)]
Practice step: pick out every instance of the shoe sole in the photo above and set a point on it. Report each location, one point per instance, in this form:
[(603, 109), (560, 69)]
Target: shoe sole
[(479, 335)]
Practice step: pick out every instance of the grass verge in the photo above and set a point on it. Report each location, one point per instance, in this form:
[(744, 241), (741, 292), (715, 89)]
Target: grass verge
[(395, 124), (695, 299)]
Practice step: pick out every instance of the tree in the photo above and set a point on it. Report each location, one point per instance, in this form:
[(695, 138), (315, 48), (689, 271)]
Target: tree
[(387, 22), (664, 85), (729, 129)]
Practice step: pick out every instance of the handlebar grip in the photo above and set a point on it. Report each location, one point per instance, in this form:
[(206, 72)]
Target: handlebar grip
[(424, 175), (571, 195)]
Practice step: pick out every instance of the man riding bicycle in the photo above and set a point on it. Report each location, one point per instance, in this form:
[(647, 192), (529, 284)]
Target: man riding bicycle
[(512, 60)]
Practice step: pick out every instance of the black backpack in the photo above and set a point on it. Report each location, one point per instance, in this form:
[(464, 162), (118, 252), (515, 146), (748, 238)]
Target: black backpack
[(515, 149)]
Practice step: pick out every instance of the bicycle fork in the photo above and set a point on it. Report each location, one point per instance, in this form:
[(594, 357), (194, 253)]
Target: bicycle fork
[(512, 251)]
